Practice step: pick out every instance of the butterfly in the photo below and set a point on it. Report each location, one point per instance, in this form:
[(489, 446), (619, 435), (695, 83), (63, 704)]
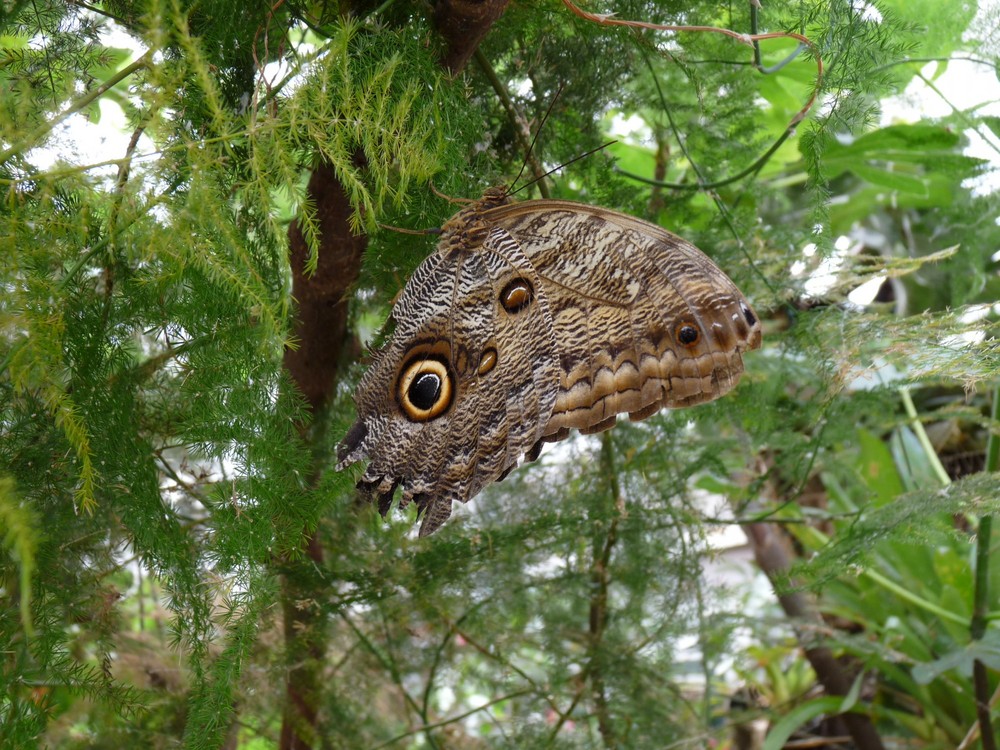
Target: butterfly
[(529, 320)]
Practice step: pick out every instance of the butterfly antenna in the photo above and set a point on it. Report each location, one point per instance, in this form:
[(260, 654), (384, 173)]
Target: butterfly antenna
[(403, 230), (584, 155), (534, 138), (448, 198)]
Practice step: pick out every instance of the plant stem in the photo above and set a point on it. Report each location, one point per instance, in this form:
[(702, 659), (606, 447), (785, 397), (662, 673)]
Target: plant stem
[(925, 442), (980, 595), (977, 628), (599, 578), (914, 599), (993, 445)]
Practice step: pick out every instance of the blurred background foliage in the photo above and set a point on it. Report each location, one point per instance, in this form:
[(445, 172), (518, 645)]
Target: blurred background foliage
[(160, 471)]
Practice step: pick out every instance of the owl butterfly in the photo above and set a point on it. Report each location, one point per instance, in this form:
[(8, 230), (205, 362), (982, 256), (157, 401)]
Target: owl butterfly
[(531, 319)]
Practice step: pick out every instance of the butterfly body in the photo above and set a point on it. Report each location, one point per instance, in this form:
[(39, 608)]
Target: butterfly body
[(529, 320)]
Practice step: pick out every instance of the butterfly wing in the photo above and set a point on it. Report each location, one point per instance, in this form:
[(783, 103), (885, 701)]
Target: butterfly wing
[(529, 320), (475, 319), (643, 320)]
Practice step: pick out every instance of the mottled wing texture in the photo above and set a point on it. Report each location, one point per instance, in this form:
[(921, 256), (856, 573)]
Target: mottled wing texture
[(531, 319), (451, 303), (624, 297)]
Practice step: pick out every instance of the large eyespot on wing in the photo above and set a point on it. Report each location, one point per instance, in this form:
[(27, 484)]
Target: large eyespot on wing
[(509, 381), (382, 433), (443, 420), (453, 400), (425, 386), (450, 456)]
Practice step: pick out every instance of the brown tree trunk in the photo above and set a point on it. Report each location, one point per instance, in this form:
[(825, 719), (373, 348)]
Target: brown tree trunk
[(320, 331), (322, 302), (774, 556), (463, 25), (321, 299)]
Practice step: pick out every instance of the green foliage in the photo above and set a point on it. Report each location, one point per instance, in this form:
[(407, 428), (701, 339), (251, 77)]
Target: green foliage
[(905, 518), (362, 108), (46, 52), (159, 473), (20, 540)]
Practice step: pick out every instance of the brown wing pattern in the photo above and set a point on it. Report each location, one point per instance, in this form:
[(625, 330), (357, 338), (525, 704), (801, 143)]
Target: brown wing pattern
[(643, 319), (529, 320), (501, 369)]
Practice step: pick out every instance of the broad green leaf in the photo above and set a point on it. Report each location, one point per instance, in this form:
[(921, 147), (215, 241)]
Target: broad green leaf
[(911, 459), (893, 179), (877, 467), (783, 730), (986, 650)]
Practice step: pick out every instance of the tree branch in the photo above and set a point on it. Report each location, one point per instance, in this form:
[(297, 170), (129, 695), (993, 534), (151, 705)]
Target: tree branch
[(772, 553), (463, 25)]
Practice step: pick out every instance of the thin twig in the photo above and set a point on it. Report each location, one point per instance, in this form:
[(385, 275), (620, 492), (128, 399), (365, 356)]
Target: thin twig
[(748, 39), (35, 136), (451, 720), (521, 130)]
